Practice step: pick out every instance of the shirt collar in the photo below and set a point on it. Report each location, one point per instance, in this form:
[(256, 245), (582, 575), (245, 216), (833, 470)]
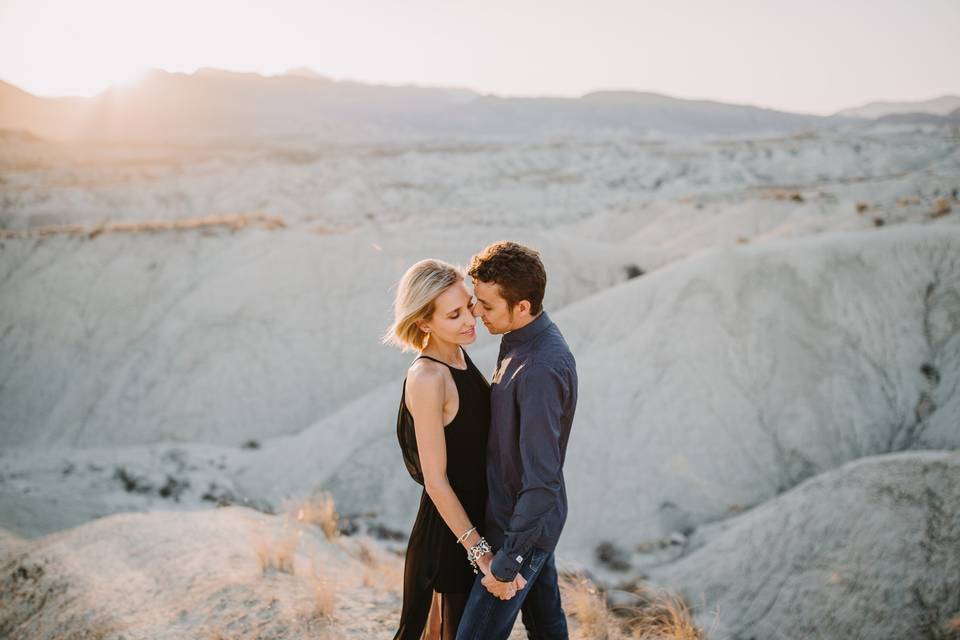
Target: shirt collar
[(525, 334)]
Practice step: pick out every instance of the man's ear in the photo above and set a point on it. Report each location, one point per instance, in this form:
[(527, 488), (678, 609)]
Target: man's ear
[(523, 306)]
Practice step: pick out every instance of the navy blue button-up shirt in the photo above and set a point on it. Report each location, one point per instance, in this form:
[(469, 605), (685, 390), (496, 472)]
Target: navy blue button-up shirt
[(533, 398)]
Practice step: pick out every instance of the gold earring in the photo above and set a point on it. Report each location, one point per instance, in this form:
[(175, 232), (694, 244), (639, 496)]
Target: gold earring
[(426, 339)]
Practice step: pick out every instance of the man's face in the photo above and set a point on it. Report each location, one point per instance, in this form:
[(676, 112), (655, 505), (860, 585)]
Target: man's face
[(492, 308)]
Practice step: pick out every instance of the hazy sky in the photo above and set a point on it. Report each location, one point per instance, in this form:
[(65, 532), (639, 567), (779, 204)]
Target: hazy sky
[(803, 55)]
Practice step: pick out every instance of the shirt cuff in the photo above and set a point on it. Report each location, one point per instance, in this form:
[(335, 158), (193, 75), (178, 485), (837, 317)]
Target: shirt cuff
[(505, 567)]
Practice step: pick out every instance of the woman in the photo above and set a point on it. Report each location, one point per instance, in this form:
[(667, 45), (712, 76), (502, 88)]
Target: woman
[(442, 426)]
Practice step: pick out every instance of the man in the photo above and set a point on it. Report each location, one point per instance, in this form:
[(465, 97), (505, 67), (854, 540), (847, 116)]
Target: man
[(533, 398)]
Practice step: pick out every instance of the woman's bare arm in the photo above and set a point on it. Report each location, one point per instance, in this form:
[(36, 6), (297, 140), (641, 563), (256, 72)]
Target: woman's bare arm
[(425, 399)]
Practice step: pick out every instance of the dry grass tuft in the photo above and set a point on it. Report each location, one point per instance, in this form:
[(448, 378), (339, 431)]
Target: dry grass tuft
[(261, 547), (941, 207), (381, 571), (324, 598), (323, 592), (368, 580), (277, 554), (584, 603), (366, 554), (953, 625), (661, 615), (658, 614), (326, 230), (319, 509), (784, 194)]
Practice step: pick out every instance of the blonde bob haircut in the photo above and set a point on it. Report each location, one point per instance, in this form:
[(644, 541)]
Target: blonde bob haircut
[(416, 300)]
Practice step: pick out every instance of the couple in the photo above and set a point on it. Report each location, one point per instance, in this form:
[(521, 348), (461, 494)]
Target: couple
[(490, 456)]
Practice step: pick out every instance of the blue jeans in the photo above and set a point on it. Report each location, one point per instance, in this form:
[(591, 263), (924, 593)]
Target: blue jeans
[(489, 618)]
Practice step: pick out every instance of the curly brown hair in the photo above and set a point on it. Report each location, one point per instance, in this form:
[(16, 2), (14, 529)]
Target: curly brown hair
[(516, 268)]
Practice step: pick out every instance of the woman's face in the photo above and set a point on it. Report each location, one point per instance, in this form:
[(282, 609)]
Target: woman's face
[(452, 319)]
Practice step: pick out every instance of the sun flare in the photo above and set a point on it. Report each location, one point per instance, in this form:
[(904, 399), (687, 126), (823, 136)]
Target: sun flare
[(92, 81)]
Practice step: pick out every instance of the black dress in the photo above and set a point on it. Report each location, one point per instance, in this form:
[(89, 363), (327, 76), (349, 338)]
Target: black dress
[(434, 560)]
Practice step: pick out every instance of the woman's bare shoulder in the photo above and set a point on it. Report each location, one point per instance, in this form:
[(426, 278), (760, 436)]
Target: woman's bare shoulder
[(425, 376)]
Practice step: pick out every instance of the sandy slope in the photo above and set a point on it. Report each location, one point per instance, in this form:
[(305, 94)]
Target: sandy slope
[(869, 550), (200, 575), (212, 575), (863, 551)]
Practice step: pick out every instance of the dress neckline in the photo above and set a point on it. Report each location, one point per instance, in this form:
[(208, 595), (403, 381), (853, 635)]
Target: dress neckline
[(466, 360)]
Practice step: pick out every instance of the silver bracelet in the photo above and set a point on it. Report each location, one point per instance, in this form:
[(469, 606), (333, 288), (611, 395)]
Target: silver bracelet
[(465, 534), (477, 551)]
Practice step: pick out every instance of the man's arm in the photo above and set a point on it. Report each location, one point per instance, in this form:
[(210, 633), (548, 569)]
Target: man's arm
[(541, 393)]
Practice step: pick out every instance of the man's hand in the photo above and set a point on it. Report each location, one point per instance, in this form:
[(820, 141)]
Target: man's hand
[(519, 582), (502, 590)]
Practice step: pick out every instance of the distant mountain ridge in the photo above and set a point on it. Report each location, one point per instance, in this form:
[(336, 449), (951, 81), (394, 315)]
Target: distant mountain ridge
[(919, 118), (213, 103), (941, 106)]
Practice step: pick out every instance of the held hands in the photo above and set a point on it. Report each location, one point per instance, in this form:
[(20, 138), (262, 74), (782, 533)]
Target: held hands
[(503, 590)]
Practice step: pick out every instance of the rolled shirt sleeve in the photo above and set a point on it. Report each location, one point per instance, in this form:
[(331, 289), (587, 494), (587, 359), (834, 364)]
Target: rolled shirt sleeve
[(541, 395)]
